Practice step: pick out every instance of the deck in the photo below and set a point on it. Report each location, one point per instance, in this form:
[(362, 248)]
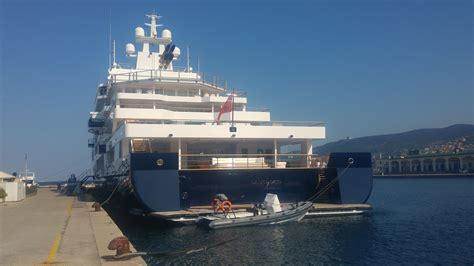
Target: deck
[(51, 228), (187, 216)]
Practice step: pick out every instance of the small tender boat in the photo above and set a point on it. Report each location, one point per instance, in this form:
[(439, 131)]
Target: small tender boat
[(272, 213)]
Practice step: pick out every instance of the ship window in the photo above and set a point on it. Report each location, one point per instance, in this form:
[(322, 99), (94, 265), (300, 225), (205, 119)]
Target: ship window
[(182, 93), (268, 158), (158, 91), (260, 151), (245, 151), (169, 92)]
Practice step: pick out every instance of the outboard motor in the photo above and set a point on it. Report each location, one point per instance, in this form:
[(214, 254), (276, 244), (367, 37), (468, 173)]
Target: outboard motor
[(272, 203)]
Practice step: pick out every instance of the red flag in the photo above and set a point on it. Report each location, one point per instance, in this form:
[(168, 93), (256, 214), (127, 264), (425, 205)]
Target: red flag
[(226, 107)]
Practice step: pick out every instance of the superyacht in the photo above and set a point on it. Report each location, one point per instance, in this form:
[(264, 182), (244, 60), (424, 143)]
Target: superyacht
[(167, 138)]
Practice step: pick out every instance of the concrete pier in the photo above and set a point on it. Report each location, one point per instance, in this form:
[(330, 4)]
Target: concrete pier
[(51, 228)]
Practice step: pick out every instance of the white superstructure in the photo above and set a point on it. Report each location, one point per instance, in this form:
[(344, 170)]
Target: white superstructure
[(157, 107)]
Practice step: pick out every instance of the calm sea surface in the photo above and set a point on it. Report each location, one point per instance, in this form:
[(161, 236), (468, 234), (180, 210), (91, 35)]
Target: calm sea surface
[(414, 220)]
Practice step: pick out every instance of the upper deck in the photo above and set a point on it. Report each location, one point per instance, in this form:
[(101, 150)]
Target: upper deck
[(134, 77), (178, 110)]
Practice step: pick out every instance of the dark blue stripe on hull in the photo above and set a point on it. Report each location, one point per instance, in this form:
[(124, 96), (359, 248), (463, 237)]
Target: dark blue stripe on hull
[(159, 186)]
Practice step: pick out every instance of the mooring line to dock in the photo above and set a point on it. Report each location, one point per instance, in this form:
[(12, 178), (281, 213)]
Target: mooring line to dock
[(57, 241)]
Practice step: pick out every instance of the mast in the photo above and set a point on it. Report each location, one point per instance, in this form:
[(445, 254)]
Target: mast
[(26, 163), (187, 59)]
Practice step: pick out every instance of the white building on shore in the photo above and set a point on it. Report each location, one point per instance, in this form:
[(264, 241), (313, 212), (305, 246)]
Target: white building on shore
[(14, 187)]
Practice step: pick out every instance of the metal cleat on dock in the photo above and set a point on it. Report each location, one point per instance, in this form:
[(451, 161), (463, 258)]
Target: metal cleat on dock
[(121, 245), (97, 206)]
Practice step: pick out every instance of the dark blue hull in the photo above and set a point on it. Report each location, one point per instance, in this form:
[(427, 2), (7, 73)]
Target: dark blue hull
[(248, 185), (157, 184)]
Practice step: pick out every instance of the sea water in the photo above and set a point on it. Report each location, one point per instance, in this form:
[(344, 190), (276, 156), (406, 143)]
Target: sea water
[(416, 220)]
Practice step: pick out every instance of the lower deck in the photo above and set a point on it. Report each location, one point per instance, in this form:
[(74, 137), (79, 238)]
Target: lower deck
[(188, 216)]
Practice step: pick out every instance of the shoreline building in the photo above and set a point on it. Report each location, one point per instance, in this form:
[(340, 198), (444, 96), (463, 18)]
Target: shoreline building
[(13, 186), (462, 162)]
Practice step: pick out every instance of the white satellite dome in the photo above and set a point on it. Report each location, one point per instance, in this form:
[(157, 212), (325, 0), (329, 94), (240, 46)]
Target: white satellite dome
[(166, 34), (139, 32), (130, 49), (176, 52)]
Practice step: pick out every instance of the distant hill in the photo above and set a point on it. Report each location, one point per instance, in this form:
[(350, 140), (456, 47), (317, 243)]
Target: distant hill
[(392, 144)]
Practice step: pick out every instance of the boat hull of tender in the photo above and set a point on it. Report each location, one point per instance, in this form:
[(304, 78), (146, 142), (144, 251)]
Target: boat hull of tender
[(292, 213)]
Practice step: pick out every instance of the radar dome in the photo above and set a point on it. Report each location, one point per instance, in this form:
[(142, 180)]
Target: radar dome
[(176, 52), (139, 32), (166, 34), (129, 49)]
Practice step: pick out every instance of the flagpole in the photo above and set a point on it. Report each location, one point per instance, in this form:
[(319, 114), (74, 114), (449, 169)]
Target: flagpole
[(233, 95)]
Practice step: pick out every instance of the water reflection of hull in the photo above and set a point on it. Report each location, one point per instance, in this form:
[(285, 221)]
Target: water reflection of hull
[(155, 188)]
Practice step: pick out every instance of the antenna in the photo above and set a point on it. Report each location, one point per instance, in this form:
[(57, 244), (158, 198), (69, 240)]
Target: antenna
[(198, 64), (187, 59), (110, 37), (113, 54)]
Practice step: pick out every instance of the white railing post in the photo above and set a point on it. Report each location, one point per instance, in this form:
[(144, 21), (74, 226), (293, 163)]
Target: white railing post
[(179, 154), (275, 153)]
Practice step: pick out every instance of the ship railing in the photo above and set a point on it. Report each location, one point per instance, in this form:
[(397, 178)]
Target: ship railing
[(207, 122), (179, 93), (179, 76), (247, 161), (183, 109)]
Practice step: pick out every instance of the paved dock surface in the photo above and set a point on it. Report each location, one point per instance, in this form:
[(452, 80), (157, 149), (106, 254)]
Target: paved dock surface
[(51, 228)]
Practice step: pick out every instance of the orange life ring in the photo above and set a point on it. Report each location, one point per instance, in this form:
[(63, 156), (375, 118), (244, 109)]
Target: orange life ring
[(225, 206)]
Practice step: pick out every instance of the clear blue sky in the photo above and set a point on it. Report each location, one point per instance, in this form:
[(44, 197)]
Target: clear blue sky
[(364, 67)]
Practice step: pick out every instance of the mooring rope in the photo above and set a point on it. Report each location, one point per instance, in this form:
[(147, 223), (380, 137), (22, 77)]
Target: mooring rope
[(171, 253), (330, 184), (113, 192)]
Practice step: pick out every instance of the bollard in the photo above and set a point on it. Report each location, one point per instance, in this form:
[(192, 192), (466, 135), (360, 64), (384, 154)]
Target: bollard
[(96, 206), (120, 244)]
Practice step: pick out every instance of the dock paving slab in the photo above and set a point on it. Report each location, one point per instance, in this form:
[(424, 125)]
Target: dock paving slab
[(29, 227), (51, 228)]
